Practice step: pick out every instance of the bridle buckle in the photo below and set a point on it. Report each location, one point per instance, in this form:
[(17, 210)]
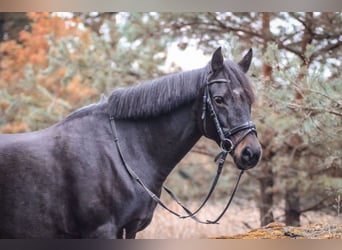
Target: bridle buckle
[(226, 145)]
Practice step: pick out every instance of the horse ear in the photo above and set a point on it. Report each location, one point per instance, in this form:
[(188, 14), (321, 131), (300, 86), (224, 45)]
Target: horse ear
[(217, 60), (246, 61)]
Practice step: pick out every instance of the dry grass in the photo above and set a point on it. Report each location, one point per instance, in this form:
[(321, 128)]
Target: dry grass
[(278, 230), (238, 219), (241, 217)]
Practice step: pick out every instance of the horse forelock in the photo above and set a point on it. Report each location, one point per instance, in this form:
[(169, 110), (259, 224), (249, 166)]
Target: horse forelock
[(239, 80)]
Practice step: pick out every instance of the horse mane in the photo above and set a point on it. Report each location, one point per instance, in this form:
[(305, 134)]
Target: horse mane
[(155, 97), (159, 96)]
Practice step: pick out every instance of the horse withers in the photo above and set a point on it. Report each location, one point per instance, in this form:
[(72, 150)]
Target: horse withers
[(72, 180)]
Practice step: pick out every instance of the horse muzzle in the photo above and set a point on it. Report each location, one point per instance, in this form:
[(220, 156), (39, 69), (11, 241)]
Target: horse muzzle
[(248, 153)]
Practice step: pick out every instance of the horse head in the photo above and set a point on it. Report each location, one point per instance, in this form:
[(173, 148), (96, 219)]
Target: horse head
[(226, 109)]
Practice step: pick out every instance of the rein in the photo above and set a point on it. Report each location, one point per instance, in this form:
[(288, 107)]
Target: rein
[(226, 145)]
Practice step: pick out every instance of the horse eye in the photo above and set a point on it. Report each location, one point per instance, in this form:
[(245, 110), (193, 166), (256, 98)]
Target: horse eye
[(218, 99)]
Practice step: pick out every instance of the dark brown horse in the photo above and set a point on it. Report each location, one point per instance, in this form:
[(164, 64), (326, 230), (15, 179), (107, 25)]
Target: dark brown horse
[(71, 181)]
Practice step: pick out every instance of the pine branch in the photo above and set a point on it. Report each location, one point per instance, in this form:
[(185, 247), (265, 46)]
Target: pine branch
[(314, 109), (234, 29), (317, 206), (326, 49)]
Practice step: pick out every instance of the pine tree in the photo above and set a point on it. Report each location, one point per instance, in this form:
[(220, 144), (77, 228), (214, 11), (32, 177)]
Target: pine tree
[(59, 65), (299, 90)]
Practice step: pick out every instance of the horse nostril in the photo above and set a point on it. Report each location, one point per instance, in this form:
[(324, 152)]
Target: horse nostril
[(247, 154), (248, 158)]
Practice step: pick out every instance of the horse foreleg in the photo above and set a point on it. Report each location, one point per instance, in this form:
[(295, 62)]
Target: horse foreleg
[(105, 231), (120, 234), (131, 229)]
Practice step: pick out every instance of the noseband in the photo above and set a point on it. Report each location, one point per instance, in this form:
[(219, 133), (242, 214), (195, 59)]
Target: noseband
[(225, 141)]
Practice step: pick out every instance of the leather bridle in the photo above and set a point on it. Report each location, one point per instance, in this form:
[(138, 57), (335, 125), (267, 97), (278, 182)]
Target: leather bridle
[(225, 141), (226, 145)]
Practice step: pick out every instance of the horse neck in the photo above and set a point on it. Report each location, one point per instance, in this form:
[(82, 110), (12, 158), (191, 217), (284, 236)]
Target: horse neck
[(160, 143)]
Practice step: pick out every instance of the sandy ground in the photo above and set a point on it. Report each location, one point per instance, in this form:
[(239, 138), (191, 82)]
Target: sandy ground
[(239, 219)]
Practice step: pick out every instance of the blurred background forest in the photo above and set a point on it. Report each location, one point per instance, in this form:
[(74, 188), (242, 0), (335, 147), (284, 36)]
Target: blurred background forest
[(54, 63)]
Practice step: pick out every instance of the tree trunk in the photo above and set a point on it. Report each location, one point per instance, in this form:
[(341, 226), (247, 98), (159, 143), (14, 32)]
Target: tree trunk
[(292, 199), (292, 206), (292, 196), (266, 68), (266, 180), (266, 194)]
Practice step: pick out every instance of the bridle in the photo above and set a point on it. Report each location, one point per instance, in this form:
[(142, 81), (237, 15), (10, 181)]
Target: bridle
[(225, 141), (226, 145)]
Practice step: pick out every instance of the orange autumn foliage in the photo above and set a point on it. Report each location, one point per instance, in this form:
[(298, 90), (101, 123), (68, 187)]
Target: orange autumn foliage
[(23, 63), (16, 127), (33, 46), (79, 90)]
